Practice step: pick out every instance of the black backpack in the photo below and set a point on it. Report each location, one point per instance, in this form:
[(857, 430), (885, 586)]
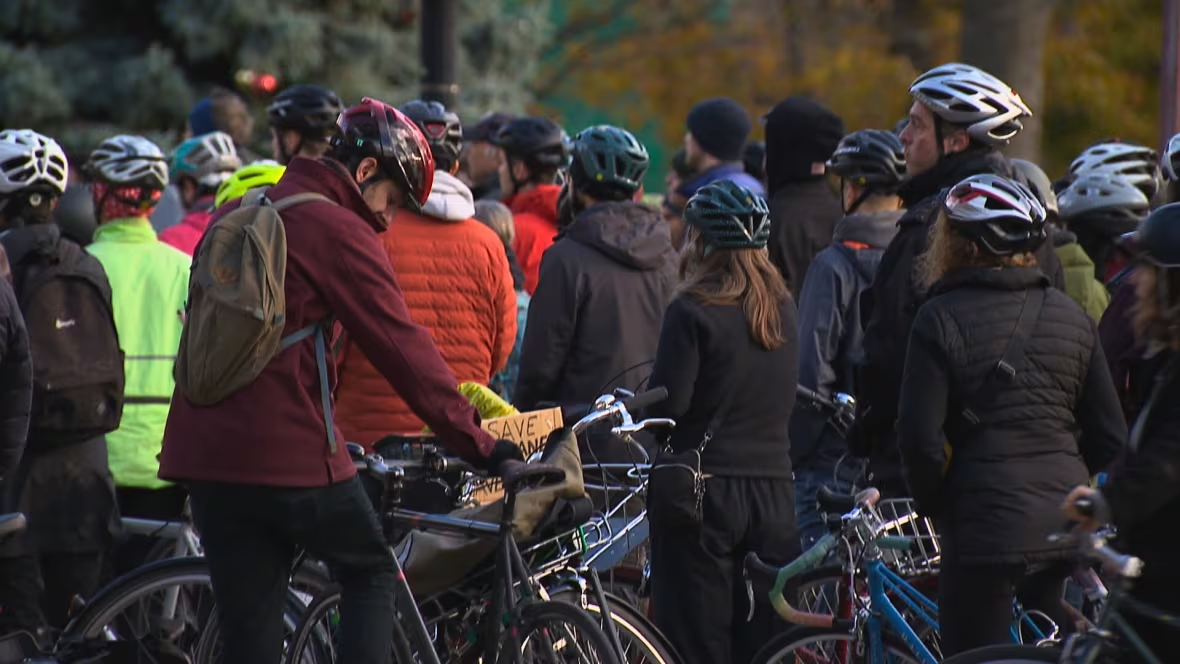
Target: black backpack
[(78, 377)]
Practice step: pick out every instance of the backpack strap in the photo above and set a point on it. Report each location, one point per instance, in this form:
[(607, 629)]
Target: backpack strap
[(295, 199), (1005, 369), (320, 330)]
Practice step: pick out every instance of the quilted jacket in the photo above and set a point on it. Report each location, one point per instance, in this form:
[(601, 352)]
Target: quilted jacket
[(454, 274)]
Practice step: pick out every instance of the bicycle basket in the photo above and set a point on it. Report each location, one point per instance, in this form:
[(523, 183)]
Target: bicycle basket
[(900, 517)]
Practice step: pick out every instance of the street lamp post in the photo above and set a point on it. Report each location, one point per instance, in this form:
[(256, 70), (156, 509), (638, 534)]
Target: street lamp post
[(439, 44), (1170, 73)]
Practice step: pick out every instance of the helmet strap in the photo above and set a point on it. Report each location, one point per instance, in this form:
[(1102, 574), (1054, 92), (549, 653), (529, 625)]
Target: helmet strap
[(864, 195), (938, 136)]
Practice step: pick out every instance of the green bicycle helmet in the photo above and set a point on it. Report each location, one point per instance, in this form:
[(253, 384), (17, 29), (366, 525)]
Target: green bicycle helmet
[(729, 216), (608, 163)]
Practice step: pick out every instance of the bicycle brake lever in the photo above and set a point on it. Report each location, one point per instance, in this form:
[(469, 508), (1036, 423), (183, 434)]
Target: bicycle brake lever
[(636, 427)]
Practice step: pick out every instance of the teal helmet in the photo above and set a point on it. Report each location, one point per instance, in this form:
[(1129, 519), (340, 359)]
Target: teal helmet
[(729, 216), (608, 163), (209, 159)]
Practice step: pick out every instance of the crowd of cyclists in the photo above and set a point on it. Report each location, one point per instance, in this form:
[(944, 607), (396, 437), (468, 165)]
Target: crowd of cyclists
[(1007, 336)]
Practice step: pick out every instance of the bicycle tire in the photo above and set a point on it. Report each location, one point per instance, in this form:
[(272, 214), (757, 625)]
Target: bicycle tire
[(633, 627), (1007, 654), (795, 639), (91, 623), (532, 624), (311, 644)]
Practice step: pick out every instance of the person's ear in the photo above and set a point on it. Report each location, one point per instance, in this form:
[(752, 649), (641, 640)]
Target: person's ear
[(520, 172), (956, 142), (366, 169)]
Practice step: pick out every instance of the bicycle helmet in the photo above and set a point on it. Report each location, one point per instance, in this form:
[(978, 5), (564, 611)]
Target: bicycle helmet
[(1039, 183), (972, 98), (129, 161), (608, 163), (1139, 164), (1158, 239), (28, 159), (308, 109), (539, 142), (442, 130), (260, 174), (1104, 199), (870, 158), (376, 129), (729, 216), (209, 159), (1171, 159), (1001, 216)]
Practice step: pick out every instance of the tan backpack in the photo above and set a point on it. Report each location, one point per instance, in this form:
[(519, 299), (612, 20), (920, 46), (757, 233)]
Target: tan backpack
[(237, 306)]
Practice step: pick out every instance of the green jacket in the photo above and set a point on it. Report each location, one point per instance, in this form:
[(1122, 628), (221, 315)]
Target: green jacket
[(1080, 283), (149, 285)]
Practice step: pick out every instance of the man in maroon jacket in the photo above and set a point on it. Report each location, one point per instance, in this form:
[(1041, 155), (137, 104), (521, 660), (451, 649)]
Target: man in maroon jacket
[(260, 473)]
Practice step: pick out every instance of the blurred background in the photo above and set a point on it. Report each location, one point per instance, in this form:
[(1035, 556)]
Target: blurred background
[(1089, 69)]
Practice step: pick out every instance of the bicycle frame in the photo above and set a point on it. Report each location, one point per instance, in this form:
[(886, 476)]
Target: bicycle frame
[(882, 582)]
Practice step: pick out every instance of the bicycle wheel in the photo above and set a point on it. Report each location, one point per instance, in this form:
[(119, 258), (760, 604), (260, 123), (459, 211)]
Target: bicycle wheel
[(642, 642), (163, 607), (1007, 654), (551, 632), (317, 637), (820, 645)]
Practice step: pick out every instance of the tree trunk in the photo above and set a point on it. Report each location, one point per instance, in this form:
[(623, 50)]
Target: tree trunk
[(1006, 38)]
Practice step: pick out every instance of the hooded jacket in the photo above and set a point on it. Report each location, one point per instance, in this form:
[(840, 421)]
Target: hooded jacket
[(803, 209), (271, 433), (534, 213), (1054, 424), (16, 384), (1080, 283), (830, 332), (889, 305), (594, 320), (186, 235), (454, 276)]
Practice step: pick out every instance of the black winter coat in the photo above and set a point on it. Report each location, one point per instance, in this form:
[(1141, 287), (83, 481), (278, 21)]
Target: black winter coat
[(830, 330), (1048, 430), (889, 306), (594, 320), (803, 217), (16, 382)]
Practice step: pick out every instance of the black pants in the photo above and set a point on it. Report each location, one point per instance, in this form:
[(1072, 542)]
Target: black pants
[(699, 595), (250, 535), (975, 601), (37, 590)]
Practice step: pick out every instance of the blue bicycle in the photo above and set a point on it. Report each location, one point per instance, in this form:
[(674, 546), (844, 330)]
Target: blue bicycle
[(877, 615)]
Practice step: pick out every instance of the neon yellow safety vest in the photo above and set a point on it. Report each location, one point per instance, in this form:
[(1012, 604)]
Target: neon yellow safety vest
[(149, 285)]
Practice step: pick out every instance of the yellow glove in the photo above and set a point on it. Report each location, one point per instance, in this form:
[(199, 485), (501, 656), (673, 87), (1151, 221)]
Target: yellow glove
[(486, 401)]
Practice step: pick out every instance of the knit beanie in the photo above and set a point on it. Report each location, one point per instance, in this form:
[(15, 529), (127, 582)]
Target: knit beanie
[(200, 119), (720, 126), (800, 133)]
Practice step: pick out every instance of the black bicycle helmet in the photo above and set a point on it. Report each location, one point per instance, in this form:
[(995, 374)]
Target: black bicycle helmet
[(1001, 216), (871, 158), (1158, 238), (539, 142), (608, 163), (441, 127), (729, 216), (311, 110)]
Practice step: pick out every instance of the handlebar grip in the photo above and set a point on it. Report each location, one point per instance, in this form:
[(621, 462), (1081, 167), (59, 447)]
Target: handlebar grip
[(808, 561), (755, 563), (895, 543), (441, 464), (645, 399), (812, 396)]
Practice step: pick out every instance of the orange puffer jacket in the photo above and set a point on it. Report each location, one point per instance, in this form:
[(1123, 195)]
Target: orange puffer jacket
[(457, 284)]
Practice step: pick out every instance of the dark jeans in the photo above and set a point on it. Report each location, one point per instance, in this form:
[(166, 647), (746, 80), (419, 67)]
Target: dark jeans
[(842, 479), (37, 591), (251, 535), (975, 601), (698, 592)]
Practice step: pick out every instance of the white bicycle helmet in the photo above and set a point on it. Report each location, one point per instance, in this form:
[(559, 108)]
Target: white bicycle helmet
[(972, 98), (1137, 163), (129, 161), (1104, 198), (28, 158), (1001, 216), (1170, 161), (209, 159)]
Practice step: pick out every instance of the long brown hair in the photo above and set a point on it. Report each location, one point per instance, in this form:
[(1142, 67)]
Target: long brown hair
[(737, 276), (1153, 322), (948, 251)]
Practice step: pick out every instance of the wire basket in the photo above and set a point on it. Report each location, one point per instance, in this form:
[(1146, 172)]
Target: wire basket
[(899, 517)]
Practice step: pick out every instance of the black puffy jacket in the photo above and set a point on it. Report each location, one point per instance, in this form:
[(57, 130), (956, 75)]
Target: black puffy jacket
[(1047, 430), (594, 320), (889, 306)]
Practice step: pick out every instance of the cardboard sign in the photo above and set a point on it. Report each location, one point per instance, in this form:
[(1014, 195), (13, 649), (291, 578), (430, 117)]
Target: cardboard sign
[(528, 430)]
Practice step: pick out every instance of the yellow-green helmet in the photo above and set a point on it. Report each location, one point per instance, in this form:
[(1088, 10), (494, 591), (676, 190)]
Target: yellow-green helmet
[(259, 174)]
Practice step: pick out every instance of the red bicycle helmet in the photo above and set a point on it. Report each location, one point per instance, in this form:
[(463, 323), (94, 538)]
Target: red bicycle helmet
[(376, 129)]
